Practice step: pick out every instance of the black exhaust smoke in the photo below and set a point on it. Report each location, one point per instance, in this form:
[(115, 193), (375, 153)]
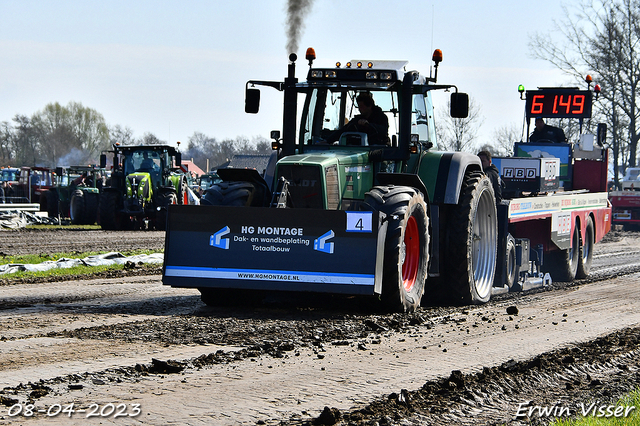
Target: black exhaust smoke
[(296, 12)]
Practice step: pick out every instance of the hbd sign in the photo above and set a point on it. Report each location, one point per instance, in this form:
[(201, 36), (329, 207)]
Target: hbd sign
[(519, 173)]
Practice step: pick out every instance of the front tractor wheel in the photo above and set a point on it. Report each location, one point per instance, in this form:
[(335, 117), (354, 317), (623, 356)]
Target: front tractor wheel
[(406, 246)]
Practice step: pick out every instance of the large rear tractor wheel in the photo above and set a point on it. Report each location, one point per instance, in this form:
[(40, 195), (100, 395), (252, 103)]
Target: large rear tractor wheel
[(586, 250), (562, 265), (406, 246), (471, 242), (77, 208)]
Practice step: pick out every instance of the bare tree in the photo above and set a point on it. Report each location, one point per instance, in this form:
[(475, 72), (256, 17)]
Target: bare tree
[(6, 144), (458, 134), (150, 139), (121, 135), (25, 141), (503, 140)]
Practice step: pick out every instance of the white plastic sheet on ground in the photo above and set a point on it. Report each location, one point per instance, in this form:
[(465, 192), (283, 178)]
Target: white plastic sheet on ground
[(95, 260), (12, 219)]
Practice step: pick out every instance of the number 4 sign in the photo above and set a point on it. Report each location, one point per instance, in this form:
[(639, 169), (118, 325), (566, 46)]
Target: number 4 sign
[(359, 222)]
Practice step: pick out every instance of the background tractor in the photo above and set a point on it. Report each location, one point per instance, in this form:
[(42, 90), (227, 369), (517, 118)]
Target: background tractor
[(145, 180), (76, 194)]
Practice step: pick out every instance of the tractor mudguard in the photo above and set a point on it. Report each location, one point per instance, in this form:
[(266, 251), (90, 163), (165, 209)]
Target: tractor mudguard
[(276, 249), (444, 173)]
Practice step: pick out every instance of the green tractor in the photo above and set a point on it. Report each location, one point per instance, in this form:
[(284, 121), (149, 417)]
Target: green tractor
[(145, 180), (76, 194), (346, 208)]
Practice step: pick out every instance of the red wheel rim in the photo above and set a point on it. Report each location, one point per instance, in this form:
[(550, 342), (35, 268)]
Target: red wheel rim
[(411, 255)]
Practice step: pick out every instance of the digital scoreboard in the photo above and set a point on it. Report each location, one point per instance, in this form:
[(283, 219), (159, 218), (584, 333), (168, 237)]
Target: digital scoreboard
[(558, 103)]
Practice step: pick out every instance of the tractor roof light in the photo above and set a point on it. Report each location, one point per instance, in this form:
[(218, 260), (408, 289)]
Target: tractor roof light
[(437, 56), (310, 55), (521, 91)]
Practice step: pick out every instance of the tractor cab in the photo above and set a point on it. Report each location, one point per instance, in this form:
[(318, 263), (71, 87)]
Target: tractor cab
[(329, 99), (358, 120)]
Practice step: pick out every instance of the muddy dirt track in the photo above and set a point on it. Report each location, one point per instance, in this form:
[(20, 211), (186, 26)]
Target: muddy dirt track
[(129, 350)]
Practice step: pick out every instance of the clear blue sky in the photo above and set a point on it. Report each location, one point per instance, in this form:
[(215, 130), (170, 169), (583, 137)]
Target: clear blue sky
[(175, 67)]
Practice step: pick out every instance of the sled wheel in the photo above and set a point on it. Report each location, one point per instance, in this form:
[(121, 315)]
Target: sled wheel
[(406, 246), (586, 250), (472, 241), (562, 265), (511, 265)]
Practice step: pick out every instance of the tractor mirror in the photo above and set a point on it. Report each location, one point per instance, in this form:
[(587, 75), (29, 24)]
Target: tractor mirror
[(59, 171), (178, 159), (252, 101), (459, 105), (103, 161)]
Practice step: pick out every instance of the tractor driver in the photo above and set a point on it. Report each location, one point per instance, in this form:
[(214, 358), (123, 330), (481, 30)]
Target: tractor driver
[(371, 121), (147, 164)]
